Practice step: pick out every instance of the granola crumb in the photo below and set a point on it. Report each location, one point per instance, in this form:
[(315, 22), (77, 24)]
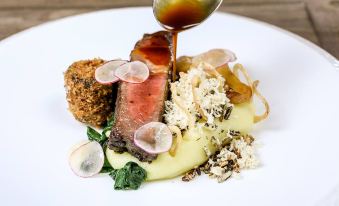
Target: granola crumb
[(190, 175), (235, 154)]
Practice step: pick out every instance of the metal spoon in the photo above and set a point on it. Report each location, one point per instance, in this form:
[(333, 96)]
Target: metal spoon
[(165, 9)]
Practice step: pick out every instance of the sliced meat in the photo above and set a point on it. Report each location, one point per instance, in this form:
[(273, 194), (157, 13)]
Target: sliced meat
[(138, 104)]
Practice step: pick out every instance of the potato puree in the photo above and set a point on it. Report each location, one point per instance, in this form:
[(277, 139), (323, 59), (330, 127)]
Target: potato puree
[(190, 152)]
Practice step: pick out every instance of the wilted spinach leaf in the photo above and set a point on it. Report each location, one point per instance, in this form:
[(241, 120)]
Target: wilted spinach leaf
[(129, 177), (93, 135), (108, 127)]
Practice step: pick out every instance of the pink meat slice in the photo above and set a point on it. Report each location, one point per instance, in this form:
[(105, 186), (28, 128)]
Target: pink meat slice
[(138, 104)]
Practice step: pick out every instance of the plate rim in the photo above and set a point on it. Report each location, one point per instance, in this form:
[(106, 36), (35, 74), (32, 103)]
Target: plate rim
[(21, 35)]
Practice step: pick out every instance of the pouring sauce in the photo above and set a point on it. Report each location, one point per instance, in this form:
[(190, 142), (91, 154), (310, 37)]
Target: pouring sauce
[(179, 16)]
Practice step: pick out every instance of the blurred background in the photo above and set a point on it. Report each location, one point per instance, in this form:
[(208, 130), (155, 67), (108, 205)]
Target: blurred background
[(315, 20)]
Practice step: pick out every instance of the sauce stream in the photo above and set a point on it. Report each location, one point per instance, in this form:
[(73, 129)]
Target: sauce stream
[(179, 16)]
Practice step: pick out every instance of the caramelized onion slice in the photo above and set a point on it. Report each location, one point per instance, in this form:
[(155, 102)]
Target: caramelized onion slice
[(239, 92), (258, 118), (184, 64), (239, 67), (175, 130)]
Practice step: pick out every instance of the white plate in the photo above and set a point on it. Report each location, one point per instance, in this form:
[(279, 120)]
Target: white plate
[(300, 140)]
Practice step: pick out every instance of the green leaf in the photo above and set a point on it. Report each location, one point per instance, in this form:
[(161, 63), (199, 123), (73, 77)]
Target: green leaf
[(107, 128), (129, 177), (106, 169), (93, 135)]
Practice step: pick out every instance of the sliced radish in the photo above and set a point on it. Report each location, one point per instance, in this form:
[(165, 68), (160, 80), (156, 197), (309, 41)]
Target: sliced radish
[(105, 73), (215, 57), (87, 159), (133, 72), (154, 137)]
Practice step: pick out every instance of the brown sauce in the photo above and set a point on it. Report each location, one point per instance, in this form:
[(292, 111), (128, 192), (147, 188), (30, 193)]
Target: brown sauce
[(175, 45), (154, 49), (158, 56), (179, 16)]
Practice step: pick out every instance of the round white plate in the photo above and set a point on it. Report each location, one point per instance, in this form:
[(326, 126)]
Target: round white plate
[(300, 140)]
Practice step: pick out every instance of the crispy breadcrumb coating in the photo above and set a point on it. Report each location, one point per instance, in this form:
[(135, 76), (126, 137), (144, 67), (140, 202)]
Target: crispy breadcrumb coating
[(89, 101)]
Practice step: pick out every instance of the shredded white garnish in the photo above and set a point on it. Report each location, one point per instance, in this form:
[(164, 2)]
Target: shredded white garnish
[(210, 96)]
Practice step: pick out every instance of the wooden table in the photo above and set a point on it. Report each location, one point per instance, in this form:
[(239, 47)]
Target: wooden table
[(315, 20)]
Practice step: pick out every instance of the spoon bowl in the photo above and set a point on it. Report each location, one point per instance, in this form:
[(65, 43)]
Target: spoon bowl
[(178, 15)]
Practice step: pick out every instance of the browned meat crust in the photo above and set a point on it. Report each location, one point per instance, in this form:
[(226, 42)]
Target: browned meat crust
[(138, 104)]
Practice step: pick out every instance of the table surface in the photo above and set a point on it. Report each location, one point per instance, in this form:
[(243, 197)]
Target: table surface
[(315, 20)]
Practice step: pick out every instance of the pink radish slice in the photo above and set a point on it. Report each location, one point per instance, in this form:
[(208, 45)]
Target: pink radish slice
[(154, 138), (87, 159), (105, 73), (215, 57), (133, 72)]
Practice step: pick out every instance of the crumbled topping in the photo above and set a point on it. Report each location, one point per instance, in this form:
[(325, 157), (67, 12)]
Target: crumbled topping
[(235, 154), (245, 152), (190, 175), (174, 116), (210, 96)]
